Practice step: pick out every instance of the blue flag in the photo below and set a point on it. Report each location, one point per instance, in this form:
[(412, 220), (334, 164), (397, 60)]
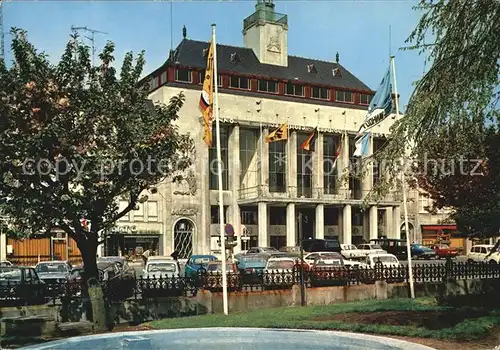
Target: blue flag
[(380, 108)]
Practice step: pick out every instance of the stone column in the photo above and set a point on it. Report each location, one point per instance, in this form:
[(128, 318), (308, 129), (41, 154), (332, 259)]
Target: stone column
[(263, 239), (263, 166), (397, 222), (389, 224), (233, 217), (373, 222), (317, 171), (346, 224), (320, 221), (291, 157), (291, 221), (3, 245)]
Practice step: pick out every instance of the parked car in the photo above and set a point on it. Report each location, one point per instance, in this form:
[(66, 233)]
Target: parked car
[(120, 260), (311, 257), (213, 278), (387, 260), (328, 270), (419, 251), (261, 251), (165, 267), (279, 272), (21, 284), (321, 245), (5, 263), (372, 248), (397, 247), (349, 251), (55, 274), (161, 278), (197, 263), (251, 268), (479, 252), (444, 251)]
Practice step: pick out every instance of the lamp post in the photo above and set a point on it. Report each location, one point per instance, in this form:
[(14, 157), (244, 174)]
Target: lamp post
[(302, 284)]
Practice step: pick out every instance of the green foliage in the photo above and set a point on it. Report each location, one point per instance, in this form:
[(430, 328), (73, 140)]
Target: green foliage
[(89, 129), (453, 109)]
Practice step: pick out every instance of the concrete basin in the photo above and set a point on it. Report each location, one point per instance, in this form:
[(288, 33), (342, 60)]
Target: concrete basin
[(231, 339)]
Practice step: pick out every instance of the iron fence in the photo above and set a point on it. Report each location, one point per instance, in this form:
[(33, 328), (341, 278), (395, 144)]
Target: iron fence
[(26, 292)]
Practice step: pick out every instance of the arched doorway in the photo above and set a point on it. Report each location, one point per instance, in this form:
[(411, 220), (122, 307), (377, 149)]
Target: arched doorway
[(403, 231), (183, 238)]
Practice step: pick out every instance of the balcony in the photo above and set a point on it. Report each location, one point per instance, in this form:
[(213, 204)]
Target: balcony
[(267, 16), (310, 194)]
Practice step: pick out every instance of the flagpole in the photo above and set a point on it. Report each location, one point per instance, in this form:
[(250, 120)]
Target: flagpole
[(219, 171), (403, 181)]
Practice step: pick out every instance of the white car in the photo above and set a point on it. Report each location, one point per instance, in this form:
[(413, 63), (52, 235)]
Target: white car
[(350, 251), (309, 258), (161, 268), (387, 260), (5, 263), (279, 271), (371, 248), (479, 252), (355, 264)]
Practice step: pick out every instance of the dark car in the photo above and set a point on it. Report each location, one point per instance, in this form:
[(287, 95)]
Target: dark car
[(419, 251), (197, 263), (321, 245), (393, 246), (55, 274), (251, 268), (21, 284)]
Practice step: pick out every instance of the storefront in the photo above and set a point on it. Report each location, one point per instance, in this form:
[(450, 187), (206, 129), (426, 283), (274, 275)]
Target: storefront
[(132, 245)]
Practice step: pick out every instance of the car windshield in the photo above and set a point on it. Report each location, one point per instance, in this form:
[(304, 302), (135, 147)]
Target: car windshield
[(280, 264), (202, 261), (329, 262), (375, 246), (386, 259), (162, 267), (10, 274), (218, 267), (270, 250), (51, 268)]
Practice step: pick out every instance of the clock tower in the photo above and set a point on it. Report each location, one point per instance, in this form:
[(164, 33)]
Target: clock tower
[(265, 32)]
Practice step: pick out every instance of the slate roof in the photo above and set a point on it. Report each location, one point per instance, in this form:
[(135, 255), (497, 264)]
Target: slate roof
[(189, 53)]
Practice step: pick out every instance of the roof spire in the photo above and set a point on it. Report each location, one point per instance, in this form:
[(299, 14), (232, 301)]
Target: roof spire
[(337, 57), (184, 32)]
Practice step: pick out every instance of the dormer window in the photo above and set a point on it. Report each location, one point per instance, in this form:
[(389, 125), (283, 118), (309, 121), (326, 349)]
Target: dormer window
[(235, 58), (311, 69), (336, 72)]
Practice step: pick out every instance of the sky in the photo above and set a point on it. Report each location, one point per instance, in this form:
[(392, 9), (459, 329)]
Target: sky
[(357, 29)]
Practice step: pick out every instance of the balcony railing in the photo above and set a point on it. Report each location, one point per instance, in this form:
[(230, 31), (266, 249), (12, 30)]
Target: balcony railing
[(268, 16), (280, 192)]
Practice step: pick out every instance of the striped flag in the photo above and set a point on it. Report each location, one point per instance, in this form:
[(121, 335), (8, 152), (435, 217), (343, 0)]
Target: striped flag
[(310, 142), (338, 151), (207, 96), (279, 134)]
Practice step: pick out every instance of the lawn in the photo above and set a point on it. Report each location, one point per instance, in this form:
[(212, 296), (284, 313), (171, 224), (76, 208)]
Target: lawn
[(404, 317)]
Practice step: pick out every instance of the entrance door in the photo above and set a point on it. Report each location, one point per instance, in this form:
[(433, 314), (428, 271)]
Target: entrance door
[(58, 249), (183, 238), (308, 218)]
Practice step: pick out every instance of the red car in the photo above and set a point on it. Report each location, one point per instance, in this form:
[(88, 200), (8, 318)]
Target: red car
[(444, 251)]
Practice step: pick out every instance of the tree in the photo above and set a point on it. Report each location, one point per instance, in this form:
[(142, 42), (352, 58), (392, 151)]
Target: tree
[(454, 107), (75, 138), (468, 184)]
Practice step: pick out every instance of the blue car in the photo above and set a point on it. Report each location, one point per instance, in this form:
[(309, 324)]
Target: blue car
[(197, 263), (251, 268), (422, 252)]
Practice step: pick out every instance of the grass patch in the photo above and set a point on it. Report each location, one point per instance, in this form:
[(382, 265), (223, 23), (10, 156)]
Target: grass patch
[(305, 318)]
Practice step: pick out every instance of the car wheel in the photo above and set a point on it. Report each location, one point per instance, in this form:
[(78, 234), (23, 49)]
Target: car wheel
[(493, 262)]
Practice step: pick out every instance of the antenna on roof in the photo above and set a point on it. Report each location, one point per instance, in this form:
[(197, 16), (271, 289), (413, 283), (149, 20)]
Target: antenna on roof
[(337, 57), (91, 37), (171, 27), (184, 31)]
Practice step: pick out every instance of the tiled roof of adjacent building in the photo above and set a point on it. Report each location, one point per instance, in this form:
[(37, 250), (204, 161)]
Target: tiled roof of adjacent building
[(190, 53)]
